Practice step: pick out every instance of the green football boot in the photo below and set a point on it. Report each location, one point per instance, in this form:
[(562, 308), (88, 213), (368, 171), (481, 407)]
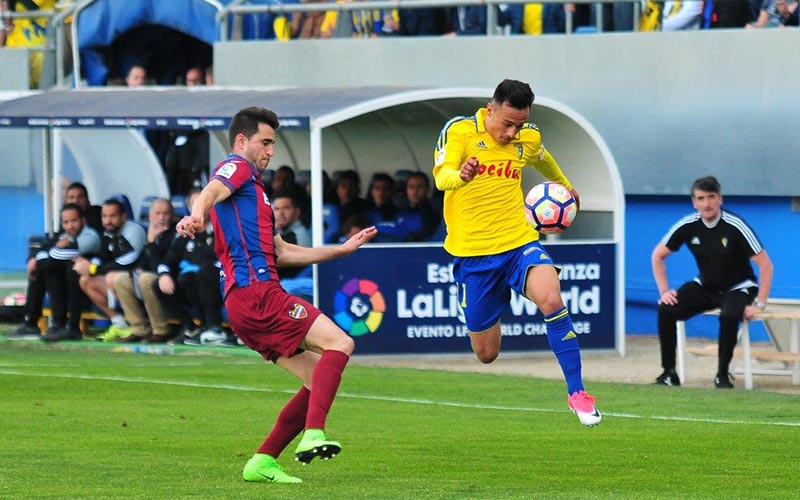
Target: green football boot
[(264, 468), (315, 444)]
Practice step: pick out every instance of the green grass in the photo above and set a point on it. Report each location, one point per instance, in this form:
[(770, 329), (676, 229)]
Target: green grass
[(79, 420)]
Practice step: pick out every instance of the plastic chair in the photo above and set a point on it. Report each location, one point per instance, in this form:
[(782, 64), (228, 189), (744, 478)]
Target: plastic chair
[(179, 205)]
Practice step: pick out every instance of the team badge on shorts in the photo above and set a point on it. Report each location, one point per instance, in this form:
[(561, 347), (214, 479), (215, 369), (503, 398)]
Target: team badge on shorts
[(298, 311)]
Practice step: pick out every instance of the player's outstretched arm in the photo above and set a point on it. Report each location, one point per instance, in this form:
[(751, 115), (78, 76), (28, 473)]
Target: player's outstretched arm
[(294, 255)]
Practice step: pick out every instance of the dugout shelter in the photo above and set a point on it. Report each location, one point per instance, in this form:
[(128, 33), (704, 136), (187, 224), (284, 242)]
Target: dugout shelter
[(397, 297)]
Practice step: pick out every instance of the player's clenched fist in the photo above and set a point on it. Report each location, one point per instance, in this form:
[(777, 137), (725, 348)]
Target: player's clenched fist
[(189, 225), (469, 169)]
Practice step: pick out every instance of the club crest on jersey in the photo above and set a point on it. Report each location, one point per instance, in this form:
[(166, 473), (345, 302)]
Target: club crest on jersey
[(227, 170), (520, 150), (298, 311), (724, 242), (266, 200), (695, 241)]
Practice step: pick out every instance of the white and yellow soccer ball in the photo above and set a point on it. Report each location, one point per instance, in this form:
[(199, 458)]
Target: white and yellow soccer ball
[(550, 207)]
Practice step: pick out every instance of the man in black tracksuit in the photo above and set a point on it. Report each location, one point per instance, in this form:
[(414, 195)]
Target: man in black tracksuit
[(723, 246)]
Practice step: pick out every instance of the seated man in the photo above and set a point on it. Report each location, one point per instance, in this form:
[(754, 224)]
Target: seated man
[(76, 193), (417, 222), (51, 270), (144, 310), (381, 193), (295, 280), (121, 246), (723, 245), (188, 280)]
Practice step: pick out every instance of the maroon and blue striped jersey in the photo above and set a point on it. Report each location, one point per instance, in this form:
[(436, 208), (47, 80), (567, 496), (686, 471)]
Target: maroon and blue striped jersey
[(244, 225)]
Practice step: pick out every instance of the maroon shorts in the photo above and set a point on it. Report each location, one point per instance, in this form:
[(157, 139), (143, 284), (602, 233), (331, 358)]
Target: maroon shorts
[(268, 319)]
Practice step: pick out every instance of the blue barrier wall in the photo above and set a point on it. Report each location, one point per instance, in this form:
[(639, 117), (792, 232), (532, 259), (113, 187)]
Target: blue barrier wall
[(647, 219), (22, 216)]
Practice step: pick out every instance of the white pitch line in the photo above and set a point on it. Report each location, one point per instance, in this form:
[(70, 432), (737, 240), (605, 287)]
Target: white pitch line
[(391, 399)]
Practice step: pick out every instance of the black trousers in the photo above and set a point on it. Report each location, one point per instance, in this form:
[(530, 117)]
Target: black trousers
[(694, 299), (66, 296), (197, 293), (56, 278)]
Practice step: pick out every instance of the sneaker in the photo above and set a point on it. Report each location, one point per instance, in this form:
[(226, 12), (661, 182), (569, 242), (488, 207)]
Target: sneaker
[(582, 404), (25, 332), (115, 332), (56, 334), (669, 377), (723, 381), (315, 444), (264, 468), (210, 336)]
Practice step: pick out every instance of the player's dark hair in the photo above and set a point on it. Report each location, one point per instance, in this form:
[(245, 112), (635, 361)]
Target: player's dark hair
[(116, 203), (709, 184), (246, 122), (73, 206), (518, 94), (78, 185)]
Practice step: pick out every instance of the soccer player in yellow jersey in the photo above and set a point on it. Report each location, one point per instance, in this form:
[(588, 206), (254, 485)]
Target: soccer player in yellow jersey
[(478, 165)]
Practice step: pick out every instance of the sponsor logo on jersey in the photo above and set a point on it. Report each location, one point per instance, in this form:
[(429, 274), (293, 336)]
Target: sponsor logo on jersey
[(227, 170), (724, 242), (695, 241), (502, 170), (481, 145), (298, 311)]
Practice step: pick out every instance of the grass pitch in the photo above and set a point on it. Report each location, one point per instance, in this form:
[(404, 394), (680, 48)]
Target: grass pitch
[(79, 420)]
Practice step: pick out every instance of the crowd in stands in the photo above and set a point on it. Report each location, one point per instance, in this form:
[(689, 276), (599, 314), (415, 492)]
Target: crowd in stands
[(529, 18)]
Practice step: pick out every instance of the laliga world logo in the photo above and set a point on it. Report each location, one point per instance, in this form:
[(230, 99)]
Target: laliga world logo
[(359, 307)]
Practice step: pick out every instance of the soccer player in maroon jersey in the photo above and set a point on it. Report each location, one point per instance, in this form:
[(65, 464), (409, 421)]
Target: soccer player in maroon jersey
[(284, 329)]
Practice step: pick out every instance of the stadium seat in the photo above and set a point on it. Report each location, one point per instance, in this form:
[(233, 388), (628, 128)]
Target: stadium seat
[(123, 198), (179, 205)]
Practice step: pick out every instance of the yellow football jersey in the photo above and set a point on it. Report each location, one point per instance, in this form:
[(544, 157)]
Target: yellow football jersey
[(486, 216)]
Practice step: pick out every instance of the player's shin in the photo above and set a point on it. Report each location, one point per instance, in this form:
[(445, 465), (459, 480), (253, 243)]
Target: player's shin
[(564, 344)]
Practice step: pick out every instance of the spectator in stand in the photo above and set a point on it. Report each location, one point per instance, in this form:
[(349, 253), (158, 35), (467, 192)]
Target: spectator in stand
[(194, 76), (6, 25), (352, 225), (308, 24), (731, 14), (121, 246), (554, 16), (424, 22), (209, 75), (775, 14), (374, 23), (472, 20), (137, 76), (381, 193), (188, 284), (144, 311), (682, 15), (51, 270), (348, 189), (77, 194), (284, 181)]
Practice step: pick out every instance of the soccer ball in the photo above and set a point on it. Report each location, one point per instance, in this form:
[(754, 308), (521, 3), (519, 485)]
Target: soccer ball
[(550, 207), (14, 299)]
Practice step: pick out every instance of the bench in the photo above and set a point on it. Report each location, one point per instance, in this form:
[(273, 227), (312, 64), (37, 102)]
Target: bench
[(91, 315), (777, 309)]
